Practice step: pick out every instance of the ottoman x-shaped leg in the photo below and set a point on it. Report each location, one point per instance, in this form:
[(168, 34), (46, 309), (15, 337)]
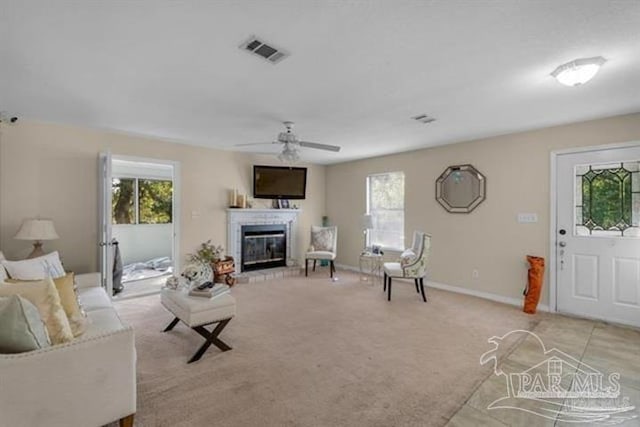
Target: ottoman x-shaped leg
[(211, 337)]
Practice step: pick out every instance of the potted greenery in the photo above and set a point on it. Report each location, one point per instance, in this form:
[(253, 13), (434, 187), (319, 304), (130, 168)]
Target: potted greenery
[(223, 266), (207, 253)]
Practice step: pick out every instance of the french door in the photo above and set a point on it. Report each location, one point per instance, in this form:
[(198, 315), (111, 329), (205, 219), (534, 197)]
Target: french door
[(597, 234), (104, 226), (131, 168)]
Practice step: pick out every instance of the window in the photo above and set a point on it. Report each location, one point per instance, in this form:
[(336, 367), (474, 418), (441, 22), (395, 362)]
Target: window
[(608, 199), (142, 201), (122, 200), (385, 203), (155, 201)]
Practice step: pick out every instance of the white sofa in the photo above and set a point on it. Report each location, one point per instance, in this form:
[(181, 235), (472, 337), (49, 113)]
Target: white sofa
[(88, 382)]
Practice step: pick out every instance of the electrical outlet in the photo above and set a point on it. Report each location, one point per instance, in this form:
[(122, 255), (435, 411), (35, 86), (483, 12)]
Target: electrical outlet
[(475, 274), (527, 218)]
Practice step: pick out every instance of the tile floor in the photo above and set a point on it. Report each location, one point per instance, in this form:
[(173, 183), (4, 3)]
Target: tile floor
[(271, 273), (600, 346)]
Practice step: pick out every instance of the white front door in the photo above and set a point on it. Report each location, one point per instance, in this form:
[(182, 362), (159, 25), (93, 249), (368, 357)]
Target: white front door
[(105, 227), (597, 234)]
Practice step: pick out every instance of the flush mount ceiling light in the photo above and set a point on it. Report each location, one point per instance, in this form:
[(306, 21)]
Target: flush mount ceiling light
[(578, 71)]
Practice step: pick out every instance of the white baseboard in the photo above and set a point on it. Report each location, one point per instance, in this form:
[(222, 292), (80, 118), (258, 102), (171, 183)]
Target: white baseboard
[(486, 295), (348, 268), (459, 290)]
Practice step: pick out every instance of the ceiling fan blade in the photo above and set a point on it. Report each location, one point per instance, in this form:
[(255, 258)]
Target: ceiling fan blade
[(264, 153), (319, 146), (255, 143)]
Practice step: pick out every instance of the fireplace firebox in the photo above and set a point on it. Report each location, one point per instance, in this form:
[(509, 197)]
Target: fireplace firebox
[(263, 246)]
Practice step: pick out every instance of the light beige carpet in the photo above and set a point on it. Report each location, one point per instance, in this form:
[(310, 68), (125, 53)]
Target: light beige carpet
[(311, 352)]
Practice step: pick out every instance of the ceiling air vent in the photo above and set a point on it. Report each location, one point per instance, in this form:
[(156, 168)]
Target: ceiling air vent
[(423, 118), (264, 50)]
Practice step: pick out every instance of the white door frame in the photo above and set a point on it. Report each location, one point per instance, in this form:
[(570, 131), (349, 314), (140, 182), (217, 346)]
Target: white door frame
[(105, 256), (176, 199), (553, 211)]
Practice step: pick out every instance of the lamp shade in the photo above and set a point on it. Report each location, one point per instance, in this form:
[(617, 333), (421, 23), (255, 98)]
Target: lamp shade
[(367, 221), (36, 229)]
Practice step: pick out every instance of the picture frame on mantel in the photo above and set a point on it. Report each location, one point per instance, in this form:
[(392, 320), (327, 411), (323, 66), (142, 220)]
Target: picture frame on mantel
[(283, 203), (275, 204)]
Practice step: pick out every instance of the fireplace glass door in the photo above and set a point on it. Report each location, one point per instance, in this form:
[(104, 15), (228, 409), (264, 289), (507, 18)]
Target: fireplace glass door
[(263, 246)]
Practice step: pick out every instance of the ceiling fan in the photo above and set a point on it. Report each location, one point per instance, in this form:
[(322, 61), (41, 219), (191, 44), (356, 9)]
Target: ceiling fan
[(291, 144)]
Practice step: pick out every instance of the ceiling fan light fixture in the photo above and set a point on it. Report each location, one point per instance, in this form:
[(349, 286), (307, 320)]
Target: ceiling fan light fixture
[(289, 154), (291, 145), (578, 71)]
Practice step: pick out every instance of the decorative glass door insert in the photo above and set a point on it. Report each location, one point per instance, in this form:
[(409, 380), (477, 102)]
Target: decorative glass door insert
[(607, 199)]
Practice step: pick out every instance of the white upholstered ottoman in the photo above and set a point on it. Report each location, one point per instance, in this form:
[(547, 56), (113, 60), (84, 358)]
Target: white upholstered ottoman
[(197, 312)]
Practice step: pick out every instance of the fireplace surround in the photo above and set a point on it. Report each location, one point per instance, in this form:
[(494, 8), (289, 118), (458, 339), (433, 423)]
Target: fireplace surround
[(285, 218)]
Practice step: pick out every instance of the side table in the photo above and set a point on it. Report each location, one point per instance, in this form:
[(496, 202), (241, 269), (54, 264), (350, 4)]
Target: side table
[(370, 267)]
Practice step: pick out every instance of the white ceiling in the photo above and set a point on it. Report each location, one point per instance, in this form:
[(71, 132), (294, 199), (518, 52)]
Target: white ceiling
[(358, 70)]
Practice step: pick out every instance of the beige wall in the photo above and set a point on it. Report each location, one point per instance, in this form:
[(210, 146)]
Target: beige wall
[(51, 170), (489, 239)]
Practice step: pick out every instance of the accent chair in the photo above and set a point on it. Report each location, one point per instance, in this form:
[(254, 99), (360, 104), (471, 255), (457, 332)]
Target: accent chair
[(324, 242), (412, 265)]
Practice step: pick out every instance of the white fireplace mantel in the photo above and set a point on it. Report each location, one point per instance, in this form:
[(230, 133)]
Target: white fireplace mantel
[(236, 218)]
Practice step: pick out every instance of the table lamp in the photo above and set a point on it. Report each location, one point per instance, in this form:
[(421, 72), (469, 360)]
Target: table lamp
[(367, 224), (36, 229)]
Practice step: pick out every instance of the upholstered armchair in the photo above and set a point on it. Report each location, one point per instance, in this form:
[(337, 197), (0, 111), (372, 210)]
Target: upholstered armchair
[(324, 241), (412, 265)]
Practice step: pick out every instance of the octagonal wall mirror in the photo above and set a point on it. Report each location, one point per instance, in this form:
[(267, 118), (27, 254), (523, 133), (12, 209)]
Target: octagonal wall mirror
[(461, 188)]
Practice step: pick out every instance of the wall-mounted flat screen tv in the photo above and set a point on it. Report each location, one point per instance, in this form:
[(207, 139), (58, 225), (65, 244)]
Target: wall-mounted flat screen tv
[(279, 182)]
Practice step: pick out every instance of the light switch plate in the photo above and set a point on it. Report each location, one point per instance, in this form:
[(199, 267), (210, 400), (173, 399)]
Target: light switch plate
[(527, 218)]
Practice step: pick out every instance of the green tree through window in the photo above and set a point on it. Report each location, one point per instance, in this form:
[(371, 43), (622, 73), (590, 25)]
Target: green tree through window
[(154, 201), (122, 200)]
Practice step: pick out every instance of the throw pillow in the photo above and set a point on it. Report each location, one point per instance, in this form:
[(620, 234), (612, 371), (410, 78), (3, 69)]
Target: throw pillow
[(322, 239), (407, 257), (22, 328), (45, 297), (78, 319), (65, 286), (48, 265)]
